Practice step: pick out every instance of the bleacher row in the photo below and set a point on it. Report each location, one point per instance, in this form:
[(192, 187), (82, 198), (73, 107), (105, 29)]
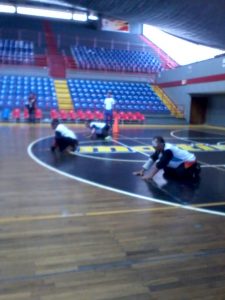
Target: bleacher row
[(129, 96), (115, 60), (19, 51), (87, 58), (85, 94), (14, 91), (18, 114)]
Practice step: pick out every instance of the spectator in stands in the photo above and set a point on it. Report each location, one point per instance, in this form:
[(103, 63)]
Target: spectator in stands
[(109, 104), (175, 162), (65, 139), (31, 105), (99, 130)]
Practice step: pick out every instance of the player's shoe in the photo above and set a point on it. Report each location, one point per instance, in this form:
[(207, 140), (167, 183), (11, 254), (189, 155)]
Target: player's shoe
[(108, 138)]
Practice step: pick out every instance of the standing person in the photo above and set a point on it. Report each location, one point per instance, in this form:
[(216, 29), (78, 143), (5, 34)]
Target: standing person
[(109, 104), (32, 99), (65, 139), (99, 130), (175, 162)]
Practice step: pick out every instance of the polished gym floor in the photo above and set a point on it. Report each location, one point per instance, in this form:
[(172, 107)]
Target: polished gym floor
[(81, 226), (110, 165)]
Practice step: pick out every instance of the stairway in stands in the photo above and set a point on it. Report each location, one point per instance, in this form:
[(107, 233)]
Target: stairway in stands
[(56, 61), (175, 111), (63, 95)]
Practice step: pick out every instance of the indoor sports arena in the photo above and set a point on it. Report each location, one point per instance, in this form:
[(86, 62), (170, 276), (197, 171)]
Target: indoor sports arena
[(112, 150)]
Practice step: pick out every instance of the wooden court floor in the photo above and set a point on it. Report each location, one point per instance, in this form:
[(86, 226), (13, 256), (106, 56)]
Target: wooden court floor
[(65, 239)]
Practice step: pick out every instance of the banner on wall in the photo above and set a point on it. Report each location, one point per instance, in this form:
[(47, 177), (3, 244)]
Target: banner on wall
[(115, 25)]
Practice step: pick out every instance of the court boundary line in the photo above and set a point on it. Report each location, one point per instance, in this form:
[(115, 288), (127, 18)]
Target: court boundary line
[(193, 143), (155, 200)]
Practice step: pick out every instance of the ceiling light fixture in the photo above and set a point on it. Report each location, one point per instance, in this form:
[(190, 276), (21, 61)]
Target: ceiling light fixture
[(10, 9), (41, 12), (92, 17), (80, 16)]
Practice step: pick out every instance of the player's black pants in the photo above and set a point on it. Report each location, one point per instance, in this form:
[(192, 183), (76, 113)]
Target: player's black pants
[(183, 172), (104, 133), (63, 142)]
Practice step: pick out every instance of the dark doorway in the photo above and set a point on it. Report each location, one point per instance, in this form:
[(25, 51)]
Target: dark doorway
[(198, 109)]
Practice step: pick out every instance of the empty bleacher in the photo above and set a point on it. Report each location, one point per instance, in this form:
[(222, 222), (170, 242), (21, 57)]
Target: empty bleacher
[(115, 60), (16, 51), (86, 95), (14, 91), (22, 42), (130, 96), (100, 50), (84, 49)]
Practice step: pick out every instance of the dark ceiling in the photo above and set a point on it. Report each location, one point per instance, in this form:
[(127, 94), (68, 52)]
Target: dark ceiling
[(200, 21)]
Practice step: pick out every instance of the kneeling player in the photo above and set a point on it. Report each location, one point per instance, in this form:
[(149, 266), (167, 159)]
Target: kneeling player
[(65, 139), (99, 130), (175, 162)]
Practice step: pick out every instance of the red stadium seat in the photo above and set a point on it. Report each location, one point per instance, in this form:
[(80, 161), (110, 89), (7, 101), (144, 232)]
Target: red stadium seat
[(140, 117), (63, 115), (26, 114), (89, 115), (123, 116), (81, 115), (132, 117), (54, 114), (72, 115), (38, 114), (16, 114), (98, 115)]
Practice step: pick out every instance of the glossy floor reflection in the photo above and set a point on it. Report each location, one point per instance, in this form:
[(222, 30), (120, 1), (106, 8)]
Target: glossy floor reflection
[(110, 164)]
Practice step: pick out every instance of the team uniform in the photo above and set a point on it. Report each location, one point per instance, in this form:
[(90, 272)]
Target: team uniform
[(100, 129), (175, 162), (64, 138)]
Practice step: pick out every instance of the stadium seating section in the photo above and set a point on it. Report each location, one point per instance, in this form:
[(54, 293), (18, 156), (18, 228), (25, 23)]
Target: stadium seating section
[(14, 91), (115, 60), (129, 96), (133, 100), (34, 41), (47, 43), (16, 51)]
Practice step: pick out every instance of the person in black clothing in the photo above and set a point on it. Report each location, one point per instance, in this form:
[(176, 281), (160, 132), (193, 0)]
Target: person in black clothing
[(65, 139), (32, 99), (176, 163)]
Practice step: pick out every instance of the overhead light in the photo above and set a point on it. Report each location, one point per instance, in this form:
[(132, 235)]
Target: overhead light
[(93, 17), (41, 12), (10, 9), (80, 16)]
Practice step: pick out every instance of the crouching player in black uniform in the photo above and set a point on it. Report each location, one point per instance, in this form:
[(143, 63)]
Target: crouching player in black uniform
[(99, 130), (65, 139), (175, 162)]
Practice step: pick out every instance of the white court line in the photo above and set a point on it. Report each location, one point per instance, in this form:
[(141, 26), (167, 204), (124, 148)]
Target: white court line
[(194, 142), (188, 207), (107, 158), (172, 133), (212, 166), (128, 147), (170, 138)]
